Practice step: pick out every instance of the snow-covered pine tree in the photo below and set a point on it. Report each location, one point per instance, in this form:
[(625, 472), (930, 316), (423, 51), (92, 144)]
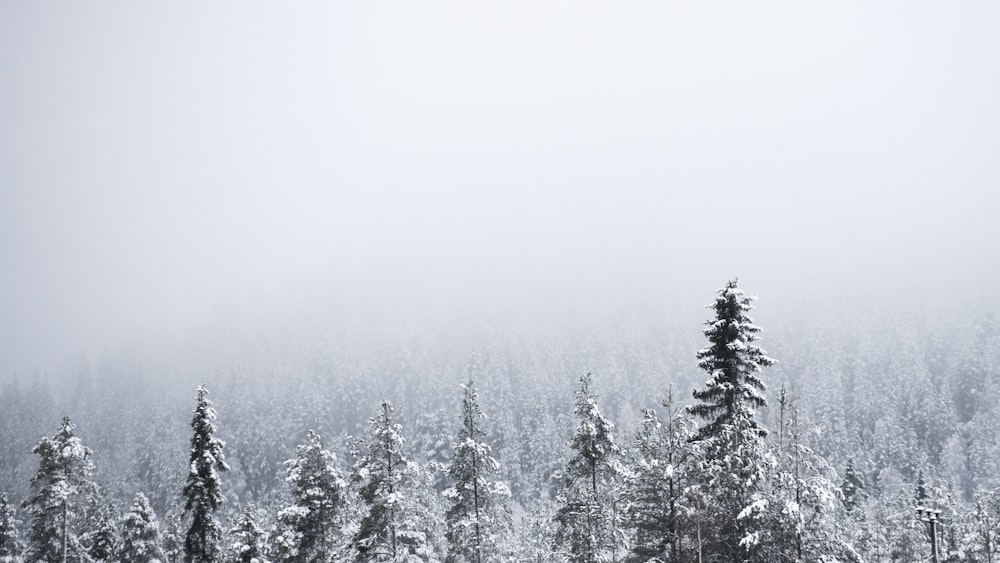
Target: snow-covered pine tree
[(586, 521), (140, 540), (736, 458), (982, 538), (101, 540), (804, 508), (310, 525), (172, 537), (656, 495), (63, 467), (732, 361), (853, 486), (10, 542), (479, 513), (202, 491), (248, 539), (382, 473)]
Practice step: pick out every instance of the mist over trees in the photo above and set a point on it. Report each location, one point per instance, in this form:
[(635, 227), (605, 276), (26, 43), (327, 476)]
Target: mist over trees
[(804, 459)]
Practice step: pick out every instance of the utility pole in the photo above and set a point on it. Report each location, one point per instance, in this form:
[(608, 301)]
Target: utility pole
[(931, 517)]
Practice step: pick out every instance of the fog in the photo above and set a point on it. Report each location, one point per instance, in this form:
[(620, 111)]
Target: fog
[(167, 167)]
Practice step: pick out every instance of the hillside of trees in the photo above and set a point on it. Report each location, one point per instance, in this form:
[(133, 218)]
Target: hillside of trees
[(624, 439)]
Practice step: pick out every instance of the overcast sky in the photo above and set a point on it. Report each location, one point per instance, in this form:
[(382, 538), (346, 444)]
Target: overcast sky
[(161, 160)]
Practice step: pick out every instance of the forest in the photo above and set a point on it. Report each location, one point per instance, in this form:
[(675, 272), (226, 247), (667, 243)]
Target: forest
[(451, 281), (406, 447)]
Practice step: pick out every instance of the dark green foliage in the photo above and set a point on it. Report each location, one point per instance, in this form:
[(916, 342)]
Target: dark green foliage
[(202, 492), (736, 460), (732, 362)]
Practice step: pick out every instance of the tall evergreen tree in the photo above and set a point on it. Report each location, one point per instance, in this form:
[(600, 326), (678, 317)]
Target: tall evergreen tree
[(10, 541), (736, 459), (983, 537), (479, 511), (140, 540), (586, 521), (803, 502), (202, 492), (248, 538), (309, 526), (63, 468), (732, 362), (658, 489), (853, 487), (172, 537), (382, 474), (101, 540)]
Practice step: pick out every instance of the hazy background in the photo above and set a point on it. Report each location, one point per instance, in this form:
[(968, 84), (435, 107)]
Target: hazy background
[(167, 167)]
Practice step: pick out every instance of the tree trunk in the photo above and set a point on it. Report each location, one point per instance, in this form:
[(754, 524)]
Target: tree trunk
[(65, 531)]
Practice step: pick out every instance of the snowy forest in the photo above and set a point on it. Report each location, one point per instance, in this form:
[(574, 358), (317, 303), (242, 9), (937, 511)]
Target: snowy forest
[(515, 281), (517, 452)]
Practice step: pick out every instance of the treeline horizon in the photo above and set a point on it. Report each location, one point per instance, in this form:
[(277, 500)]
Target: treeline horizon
[(930, 445)]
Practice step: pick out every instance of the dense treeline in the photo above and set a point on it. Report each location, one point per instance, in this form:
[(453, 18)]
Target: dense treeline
[(823, 456)]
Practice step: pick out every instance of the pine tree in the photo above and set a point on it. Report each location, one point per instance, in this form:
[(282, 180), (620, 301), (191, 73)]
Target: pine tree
[(803, 509), (736, 459), (983, 537), (63, 468), (140, 541), (10, 542), (100, 542), (248, 539), (853, 487), (309, 525), (732, 361), (202, 492), (657, 492), (382, 474), (172, 537), (586, 521), (479, 511)]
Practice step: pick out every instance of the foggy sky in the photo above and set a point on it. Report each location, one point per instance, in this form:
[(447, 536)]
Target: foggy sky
[(161, 162)]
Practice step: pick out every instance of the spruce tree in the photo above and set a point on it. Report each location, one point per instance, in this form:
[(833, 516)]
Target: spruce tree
[(853, 487), (310, 525), (803, 502), (140, 539), (383, 474), (63, 468), (172, 537), (659, 485), (736, 460), (984, 533), (479, 511), (10, 542), (586, 521), (101, 540), (202, 492), (248, 545), (732, 362)]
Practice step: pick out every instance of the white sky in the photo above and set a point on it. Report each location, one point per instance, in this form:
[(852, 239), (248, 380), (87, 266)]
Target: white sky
[(159, 161)]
